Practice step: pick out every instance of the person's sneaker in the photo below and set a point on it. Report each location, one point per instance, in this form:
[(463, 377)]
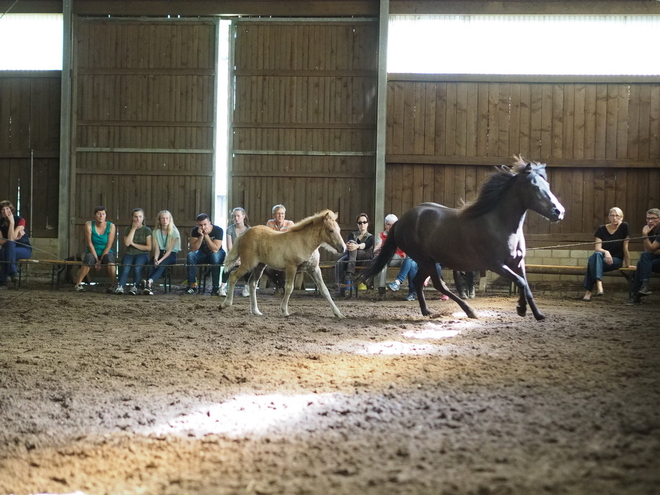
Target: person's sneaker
[(148, 289), (191, 289), (133, 291), (411, 297), (111, 290), (471, 293), (444, 297), (79, 288), (245, 292), (394, 286), (14, 278), (215, 291), (3, 286), (119, 290), (634, 300), (223, 291), (645, 291)]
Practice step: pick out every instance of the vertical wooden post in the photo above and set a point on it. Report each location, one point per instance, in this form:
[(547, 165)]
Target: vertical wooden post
[(64, 222), (381, 114)]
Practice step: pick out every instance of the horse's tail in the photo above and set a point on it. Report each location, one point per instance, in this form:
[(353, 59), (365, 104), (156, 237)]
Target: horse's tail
[(387, 250), (233, 255)]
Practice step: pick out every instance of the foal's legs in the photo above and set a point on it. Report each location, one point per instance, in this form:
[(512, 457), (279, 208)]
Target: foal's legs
[(441, 286), (288, 288), (255, 276), (233, 277), (315, 272)]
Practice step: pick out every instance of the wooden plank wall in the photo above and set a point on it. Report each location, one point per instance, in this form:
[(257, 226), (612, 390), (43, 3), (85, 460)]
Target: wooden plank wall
[(29, 146), (144, 105), (304, 118), (601, 143)]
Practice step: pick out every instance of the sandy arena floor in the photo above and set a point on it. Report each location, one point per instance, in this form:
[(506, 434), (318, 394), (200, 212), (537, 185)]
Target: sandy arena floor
[(104, 394)]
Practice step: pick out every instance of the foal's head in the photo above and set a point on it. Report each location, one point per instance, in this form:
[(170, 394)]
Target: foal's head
[(327, 228)]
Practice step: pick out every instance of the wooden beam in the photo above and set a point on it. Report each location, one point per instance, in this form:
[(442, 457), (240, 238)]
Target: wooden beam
[(493, 161), (31, 7), (213, 7), (520, 78), (525, 7)]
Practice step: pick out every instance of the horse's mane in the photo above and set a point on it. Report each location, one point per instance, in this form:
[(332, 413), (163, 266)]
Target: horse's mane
[(498, 183), (318, 217)]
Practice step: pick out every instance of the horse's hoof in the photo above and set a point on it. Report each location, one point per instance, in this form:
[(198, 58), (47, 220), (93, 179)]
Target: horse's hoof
[(539, 317), (339, 315), (472, 315), (426, 312), (521, 311)]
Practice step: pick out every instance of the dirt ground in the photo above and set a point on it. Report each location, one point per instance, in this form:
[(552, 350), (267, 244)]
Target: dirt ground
[(166, 395)]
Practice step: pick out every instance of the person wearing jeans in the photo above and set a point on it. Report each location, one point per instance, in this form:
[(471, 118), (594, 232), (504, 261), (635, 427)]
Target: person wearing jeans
[(166, 247), (137, 240), (205, 248), (14, 242), (611, 252), (649, 261)]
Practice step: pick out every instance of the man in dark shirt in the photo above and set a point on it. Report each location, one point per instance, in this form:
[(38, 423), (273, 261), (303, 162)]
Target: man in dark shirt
[(649, 261), (205, 248)]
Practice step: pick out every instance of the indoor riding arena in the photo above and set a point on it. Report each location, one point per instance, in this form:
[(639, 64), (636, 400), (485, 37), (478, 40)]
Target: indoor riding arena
[(206, 106)]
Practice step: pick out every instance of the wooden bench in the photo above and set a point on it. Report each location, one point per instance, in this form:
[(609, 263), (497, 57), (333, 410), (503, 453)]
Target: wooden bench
[(627, 273)]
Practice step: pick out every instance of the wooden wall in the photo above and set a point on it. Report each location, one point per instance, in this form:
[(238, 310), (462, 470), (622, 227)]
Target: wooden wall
[(601, 142), (144, 105), (303, 123), (29, 146)]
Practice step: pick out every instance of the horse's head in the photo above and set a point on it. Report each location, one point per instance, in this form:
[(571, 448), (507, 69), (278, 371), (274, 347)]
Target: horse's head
[(538, 196), (330, 232)]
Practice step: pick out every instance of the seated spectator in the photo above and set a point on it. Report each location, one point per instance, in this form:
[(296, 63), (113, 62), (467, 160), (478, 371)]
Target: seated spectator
[(649, 261), (137, 240), (205, 248), (279, 223), (466, 283), (167, 244), (99, 238), (408, 266), (234, 231), (14, 242), (611, 252), (359, 248)]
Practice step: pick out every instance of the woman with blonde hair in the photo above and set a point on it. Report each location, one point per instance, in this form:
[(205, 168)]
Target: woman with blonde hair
[(234, 231), (166, 247), (611, 252)]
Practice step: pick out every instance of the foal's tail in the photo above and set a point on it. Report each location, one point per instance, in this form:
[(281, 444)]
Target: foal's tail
[(232, 256), (387, 250)]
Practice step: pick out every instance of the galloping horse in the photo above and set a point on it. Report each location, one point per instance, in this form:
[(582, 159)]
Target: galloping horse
[(484, 235), (293, 251)]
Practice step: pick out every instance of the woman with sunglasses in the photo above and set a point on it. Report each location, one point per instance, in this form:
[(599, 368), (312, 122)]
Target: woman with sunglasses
[(359, 248)]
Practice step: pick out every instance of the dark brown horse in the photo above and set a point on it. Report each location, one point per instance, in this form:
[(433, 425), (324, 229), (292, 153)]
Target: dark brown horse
[(484, 235)]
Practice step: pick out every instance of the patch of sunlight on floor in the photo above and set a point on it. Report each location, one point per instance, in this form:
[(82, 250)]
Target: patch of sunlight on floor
[(393, 348), (241, 415)]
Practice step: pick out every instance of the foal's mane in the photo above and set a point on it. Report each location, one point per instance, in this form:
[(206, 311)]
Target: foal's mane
[(316, 218), (498, 183)]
